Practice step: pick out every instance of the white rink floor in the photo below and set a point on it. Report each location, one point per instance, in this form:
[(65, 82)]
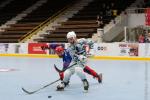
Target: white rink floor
[(122, 80)]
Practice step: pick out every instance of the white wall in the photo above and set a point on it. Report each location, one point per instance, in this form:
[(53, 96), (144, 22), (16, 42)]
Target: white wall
[(136, 20)]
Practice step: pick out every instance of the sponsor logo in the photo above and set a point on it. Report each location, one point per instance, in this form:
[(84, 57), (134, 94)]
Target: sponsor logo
[(101, 48), (36, 48)]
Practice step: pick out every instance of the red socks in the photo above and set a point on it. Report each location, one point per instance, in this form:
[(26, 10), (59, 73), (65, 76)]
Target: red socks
[(61, 74), (90, 71)]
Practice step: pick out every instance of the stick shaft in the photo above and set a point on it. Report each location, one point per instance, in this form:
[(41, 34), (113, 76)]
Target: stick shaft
[(39, 88)]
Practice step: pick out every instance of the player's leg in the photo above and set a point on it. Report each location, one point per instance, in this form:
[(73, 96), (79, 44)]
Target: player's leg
[(87, 69), (61, 75), (67, 75), (80, 73), (92, 72)]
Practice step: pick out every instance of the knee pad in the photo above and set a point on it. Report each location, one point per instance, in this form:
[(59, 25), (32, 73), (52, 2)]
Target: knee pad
[(67, 75), (80, 73)]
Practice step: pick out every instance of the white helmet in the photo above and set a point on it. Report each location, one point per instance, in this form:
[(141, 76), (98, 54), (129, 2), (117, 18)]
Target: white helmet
[(71, 34)]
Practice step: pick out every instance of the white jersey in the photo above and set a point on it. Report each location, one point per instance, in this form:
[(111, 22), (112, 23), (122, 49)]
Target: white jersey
[(78, 50), (79, 47), (84, 41)]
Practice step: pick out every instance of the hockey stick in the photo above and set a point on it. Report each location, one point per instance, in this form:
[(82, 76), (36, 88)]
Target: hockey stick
[(39, 88), (59, 71), (28, 92)]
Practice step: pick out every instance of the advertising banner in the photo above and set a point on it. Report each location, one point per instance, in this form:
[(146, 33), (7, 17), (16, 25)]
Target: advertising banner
[(36, 48), (147, 17), (17, 48), (3, 48), (128, 49), (116, 49), (104, 49)]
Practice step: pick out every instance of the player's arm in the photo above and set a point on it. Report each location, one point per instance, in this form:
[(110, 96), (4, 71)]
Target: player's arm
[(51, 46)]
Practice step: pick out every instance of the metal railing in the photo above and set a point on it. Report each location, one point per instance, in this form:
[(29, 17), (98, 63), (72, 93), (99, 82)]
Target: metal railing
[(136, 10)]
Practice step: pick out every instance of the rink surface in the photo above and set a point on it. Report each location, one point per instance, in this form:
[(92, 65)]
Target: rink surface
[(122, 80)]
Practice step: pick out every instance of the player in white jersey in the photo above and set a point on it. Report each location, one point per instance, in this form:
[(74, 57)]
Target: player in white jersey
[(77, 49), (76, 66), (81, 47)]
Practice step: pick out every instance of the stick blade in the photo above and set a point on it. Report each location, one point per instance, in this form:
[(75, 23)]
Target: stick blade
[(58, 70), (27, 91)]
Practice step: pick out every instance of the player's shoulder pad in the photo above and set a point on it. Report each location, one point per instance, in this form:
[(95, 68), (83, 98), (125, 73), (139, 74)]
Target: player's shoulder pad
[(81, 40)]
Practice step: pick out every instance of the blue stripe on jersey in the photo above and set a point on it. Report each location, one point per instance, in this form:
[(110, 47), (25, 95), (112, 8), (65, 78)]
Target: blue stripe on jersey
[(66, 59)]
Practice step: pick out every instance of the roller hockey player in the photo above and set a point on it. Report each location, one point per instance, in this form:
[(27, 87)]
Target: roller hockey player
[(65, 55), (82, 47), (76, 67), (78, 51)]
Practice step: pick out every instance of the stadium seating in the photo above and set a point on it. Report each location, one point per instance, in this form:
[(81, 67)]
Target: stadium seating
[(13, 8), (85, 21), (29, 22)]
